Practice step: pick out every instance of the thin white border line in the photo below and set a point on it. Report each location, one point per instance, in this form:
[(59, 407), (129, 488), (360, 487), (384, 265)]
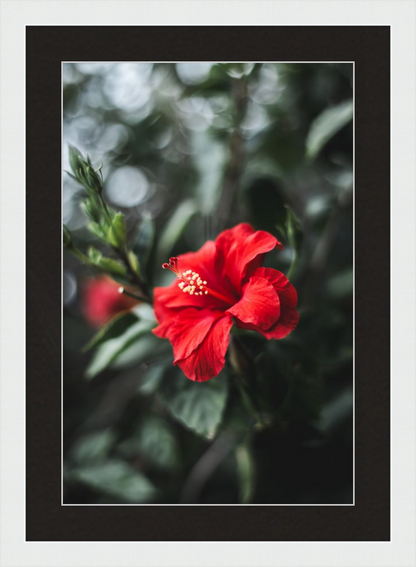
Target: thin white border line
[(62, 388)]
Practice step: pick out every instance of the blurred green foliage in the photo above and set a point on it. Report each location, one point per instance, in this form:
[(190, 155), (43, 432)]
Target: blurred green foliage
[(187, 150)]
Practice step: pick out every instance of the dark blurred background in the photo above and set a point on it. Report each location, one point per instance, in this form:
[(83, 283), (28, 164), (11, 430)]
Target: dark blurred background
[(189, 149)]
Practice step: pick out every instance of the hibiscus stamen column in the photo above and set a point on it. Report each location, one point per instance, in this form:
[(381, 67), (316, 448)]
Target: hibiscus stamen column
[(192, 283)]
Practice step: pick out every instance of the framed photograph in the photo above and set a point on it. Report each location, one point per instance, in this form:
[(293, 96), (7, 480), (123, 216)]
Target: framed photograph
[(208, 332), (209, 313)]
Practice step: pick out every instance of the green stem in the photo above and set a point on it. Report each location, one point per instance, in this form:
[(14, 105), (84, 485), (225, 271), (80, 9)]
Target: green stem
[(292, 264), (133, 295), (81, 256), (105, 209), (123, 253)]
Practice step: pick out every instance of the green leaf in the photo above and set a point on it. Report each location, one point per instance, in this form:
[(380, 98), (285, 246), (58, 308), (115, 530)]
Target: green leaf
[(245, 472), (93, 447), (326, 125), (91, 209), (293, 234), (175, 228), (106, 264), (198, 405), (75, 157), (154, 442), (117, 235), (117, 479), (116, 327), (97, 231), (112, 266), (94, 255), (147, 350), (71, 176), (134, 262), (151, 379), (110, 350)]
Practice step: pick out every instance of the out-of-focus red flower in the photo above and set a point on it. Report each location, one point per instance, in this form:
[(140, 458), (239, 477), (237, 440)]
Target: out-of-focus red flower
[(102, 301), (221, 283)]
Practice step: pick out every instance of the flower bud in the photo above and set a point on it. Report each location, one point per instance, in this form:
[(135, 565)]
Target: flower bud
[(84, 172), (74, 159), (101, 301)]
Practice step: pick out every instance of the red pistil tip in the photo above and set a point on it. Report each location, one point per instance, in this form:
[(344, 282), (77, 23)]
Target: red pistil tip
[(165, 266), (173, 261)]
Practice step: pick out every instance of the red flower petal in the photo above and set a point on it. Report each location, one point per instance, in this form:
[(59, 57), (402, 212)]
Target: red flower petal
[(289, 317), (259, 306), (198, 326), (161, 330), (208, 359), (170, 298), (201, 261), (187, 330), (240, 251)]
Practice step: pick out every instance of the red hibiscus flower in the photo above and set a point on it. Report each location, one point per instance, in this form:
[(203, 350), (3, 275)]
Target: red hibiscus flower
[(220, 284), (102, 301)]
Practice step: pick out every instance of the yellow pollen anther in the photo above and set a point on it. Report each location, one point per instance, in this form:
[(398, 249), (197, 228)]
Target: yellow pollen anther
[(192, 283)]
